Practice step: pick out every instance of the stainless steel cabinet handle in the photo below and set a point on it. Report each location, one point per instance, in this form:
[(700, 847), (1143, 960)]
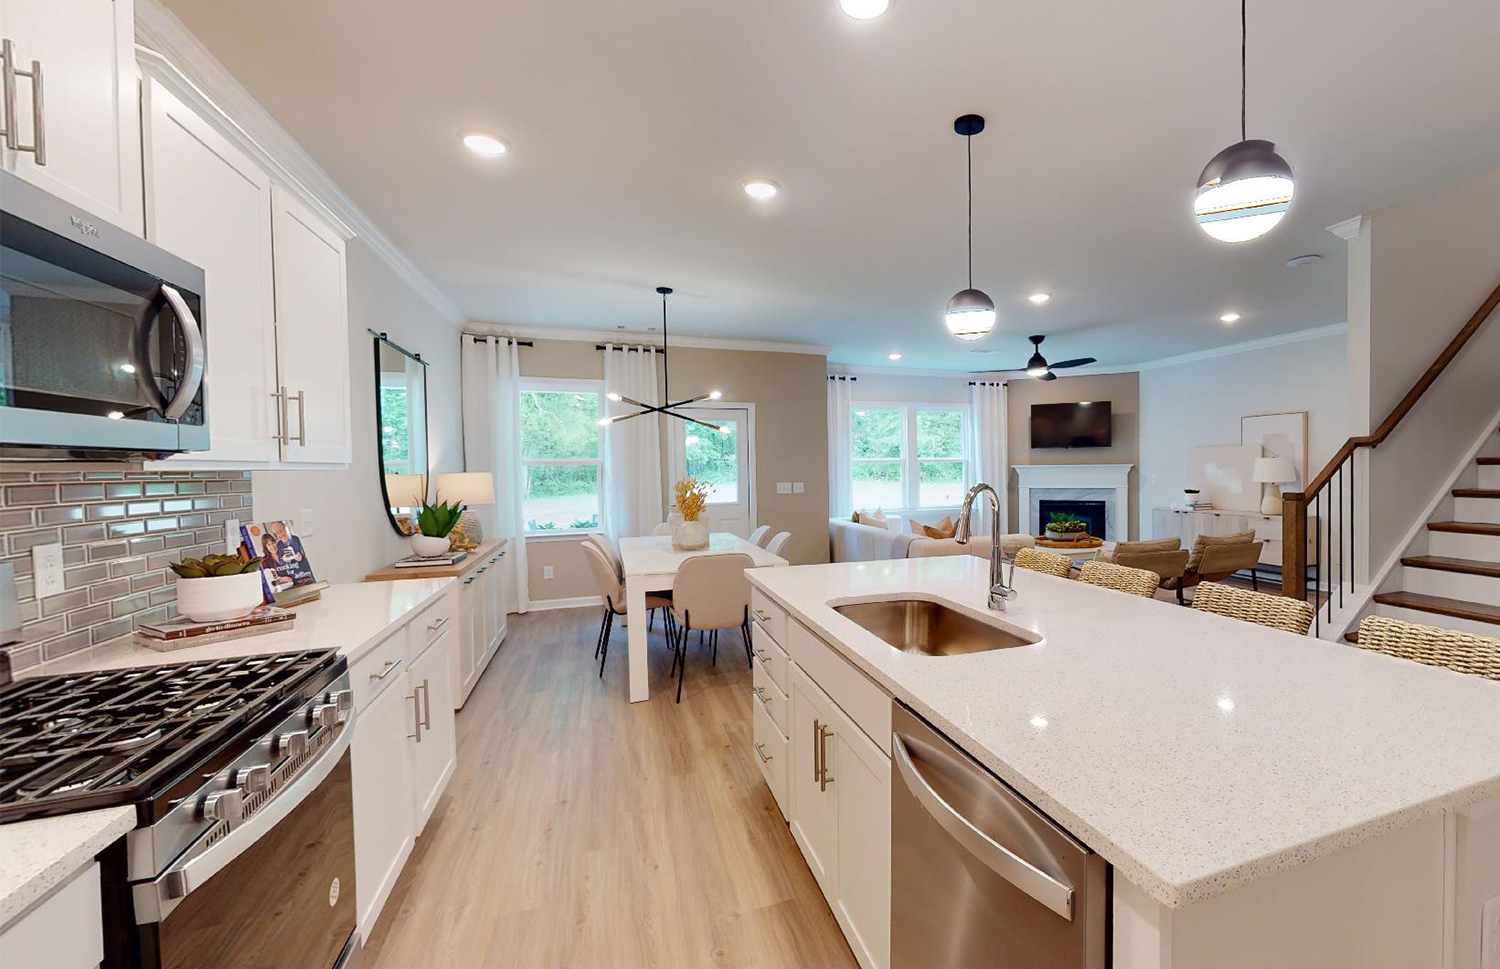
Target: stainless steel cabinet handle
[(760, 693), (765, 758), (996, 857), (823, 778), (302, 417), (760, 615), (761, 654), (433, 627), (817, 768), (426, 704), (416, 715), (469, 580), (282, 419), (11, 135), (387, 670)]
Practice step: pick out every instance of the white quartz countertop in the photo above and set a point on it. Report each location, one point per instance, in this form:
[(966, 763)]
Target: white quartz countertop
[(1195, 753), (37, 856)]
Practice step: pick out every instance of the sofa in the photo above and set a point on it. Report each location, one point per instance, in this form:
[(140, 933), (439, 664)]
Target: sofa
[(851, 542)]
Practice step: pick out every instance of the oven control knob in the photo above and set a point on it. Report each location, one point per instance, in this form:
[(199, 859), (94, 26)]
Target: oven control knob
[(342, 699), (224, 805), (322, 715), (252, 779), (292, 744)]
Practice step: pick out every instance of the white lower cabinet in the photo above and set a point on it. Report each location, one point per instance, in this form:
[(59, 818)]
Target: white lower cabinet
[(815, 808), (63, 931), (430, 681), (772, 754), (479, 615)]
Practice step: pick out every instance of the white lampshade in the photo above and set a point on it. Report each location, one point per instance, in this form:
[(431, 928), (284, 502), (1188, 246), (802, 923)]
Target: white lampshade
[(467, 487), (1275, 469), (405, 490)]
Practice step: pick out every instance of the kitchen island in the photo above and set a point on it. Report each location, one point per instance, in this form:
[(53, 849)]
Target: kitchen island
[(1263, 798)]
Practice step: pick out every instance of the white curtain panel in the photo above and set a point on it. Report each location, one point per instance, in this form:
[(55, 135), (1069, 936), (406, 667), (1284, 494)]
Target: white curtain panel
[(987, 447), (492, 442), (840, 473), (632, 448)]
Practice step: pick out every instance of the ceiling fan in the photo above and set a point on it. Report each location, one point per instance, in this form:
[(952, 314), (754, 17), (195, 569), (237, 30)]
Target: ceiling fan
[(1038, 366)]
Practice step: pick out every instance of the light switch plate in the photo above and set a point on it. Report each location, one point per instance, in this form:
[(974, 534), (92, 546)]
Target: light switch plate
[(232, 538), (546, 571), (783, 487), (305, 522), (797, 487), (47, 569)]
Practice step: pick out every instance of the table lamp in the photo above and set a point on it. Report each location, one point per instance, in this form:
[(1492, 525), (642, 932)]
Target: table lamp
[(1272, 472), (469, 488)]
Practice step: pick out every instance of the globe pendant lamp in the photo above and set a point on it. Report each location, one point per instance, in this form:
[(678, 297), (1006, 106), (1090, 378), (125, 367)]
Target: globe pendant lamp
[(971, 314), (1247, 188)]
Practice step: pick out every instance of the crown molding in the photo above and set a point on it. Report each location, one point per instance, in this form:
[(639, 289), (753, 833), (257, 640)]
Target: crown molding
[(1349, 228), (1284, 339), (169, 52), (642, 337)]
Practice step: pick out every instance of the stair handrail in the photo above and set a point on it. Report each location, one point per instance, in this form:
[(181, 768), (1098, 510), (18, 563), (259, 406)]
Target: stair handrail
[(1295, 503)]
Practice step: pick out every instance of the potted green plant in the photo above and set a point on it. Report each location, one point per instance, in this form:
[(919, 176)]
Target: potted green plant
[(434, 522), (1065, 528), (218, 587)]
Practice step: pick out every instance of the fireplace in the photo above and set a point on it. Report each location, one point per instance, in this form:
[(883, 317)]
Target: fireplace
[(1074, 483), (1095, 513)]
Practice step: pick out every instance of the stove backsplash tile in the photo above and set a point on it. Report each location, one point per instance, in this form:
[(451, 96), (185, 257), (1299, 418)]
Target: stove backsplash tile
[(119, 531)]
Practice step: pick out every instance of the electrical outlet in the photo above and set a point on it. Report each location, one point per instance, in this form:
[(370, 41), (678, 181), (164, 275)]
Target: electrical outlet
[(232, 538), (547, 572), (1489, 935), (305, 522), (797, 488), (783, 487), (47, 569)]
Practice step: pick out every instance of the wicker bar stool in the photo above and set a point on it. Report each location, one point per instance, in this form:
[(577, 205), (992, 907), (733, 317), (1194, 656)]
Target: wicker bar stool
[(1039, 561), (1137, 582), (1278, 612), (1457, 650)]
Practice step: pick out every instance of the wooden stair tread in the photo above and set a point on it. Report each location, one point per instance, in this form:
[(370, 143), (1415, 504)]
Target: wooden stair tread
[(1445, 563), (1467, 528), (1441, 605), (1352, 636), (1476, 492), (1489, 462)]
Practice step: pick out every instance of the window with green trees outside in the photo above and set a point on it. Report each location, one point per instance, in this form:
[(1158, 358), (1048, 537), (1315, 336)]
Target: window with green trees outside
[(561, 450)]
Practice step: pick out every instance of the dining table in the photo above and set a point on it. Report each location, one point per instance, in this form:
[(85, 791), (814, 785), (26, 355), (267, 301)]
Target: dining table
[(650, 565)]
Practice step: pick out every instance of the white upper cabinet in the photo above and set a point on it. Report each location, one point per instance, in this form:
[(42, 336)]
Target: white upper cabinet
[(312, 333), (84, 108), (210, 204)]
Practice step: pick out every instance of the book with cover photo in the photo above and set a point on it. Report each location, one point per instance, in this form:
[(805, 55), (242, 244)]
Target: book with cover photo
[(284, 567)]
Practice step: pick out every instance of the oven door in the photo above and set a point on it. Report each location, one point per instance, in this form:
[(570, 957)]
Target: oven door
[(102, 346), (275, 892)]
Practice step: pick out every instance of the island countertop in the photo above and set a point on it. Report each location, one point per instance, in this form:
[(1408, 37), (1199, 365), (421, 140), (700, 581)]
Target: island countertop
[(1196, 753)]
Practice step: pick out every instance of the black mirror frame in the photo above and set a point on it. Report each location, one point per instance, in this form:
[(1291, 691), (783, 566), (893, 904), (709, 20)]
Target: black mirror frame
[(385, 498)]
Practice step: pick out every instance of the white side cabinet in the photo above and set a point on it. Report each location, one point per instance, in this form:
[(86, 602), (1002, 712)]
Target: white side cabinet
[(81, 111), (480, 618), (430, 682), (65, 931)]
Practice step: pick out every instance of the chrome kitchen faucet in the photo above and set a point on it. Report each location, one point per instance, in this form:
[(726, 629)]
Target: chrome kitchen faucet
[(1001, 591)]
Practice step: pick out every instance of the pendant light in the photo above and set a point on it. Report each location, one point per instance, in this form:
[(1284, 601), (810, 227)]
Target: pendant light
[(971, 314), (666, 385), (1246, 188)]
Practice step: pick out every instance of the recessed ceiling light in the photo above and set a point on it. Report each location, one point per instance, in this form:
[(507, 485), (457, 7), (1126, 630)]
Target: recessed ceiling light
[(1230, 318), (864, 9), (484, 144), (127, 368), (1039, 298), (1039, 722), (760, 189), (893, 356), (1297, 262)]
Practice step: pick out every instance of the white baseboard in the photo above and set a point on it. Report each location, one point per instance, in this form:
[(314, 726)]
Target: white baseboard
[(577, 602)]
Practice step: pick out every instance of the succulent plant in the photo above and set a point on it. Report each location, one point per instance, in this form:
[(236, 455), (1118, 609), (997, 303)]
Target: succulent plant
[(1063, 522), (438, 520), (212, 566)]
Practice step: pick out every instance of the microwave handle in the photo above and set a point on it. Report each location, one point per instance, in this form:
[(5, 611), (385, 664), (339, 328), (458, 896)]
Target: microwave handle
[(186, 322)]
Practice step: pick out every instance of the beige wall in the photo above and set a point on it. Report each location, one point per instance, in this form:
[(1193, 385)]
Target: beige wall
[(351, 535), (789, 391), (1122, 390)]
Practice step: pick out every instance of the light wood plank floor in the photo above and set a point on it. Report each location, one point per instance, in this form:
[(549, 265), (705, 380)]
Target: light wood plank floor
[(580, 830)]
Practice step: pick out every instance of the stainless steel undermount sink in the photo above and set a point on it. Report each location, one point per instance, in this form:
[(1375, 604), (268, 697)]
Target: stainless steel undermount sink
[(931, 628)]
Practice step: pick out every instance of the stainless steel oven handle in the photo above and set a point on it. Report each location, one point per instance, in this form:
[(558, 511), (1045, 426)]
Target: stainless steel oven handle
[(992, 854), (188, 324), (202, 861)]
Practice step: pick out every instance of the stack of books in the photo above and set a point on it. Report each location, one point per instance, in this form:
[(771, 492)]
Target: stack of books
[(182, 632), (431, 561)]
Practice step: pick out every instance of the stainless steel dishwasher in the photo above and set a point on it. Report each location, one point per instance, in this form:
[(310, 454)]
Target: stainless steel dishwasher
[(980, 877)]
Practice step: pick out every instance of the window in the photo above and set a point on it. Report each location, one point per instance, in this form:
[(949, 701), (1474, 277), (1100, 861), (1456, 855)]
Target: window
[(395, 429), (713, 457), (561, 444), (906, 456)]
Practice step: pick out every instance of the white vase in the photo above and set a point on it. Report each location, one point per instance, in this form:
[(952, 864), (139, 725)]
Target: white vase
[(690, 536), (215, 597), (429, 546)]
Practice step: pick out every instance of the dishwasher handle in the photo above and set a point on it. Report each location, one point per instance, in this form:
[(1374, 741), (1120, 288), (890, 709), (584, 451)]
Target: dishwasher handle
[(1041, 886)]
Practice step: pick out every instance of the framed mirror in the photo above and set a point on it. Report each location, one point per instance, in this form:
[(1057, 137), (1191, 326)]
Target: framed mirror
[(400, 429)]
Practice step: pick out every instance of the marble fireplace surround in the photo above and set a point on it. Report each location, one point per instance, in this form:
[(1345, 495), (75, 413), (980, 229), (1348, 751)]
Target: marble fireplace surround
[(1109, 483)]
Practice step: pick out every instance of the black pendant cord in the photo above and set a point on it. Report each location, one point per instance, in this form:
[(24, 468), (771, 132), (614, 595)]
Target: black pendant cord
[(969, 151), (1242, 69), (666, 365)]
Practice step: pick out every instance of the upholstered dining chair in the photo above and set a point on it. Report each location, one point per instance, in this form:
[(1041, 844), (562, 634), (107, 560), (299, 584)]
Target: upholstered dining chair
[(612, 591), (1218, 562), (1457, 650), (1164, 563), (603, 544), (778, 543), (1121, 578), (709, 593), (1278, 612), (758, 537), (1038, 561)]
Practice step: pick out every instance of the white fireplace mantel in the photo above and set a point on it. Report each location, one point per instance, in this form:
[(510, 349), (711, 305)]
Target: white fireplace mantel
[(1079, 477)]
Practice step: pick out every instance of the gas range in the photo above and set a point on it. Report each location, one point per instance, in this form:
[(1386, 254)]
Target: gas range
[(239, 772)]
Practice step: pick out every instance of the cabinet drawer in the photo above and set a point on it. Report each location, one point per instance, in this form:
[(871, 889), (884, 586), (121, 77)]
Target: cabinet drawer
[(771, 755), (769, 695), (429, 624), (770, 615), (378, 668), (858, 696), (769, 652)]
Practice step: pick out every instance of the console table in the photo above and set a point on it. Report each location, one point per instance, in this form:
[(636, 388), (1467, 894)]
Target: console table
[(1188, 525)]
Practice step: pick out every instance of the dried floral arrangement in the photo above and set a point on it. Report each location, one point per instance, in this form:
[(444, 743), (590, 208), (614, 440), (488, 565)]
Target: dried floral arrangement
[(691, 495)]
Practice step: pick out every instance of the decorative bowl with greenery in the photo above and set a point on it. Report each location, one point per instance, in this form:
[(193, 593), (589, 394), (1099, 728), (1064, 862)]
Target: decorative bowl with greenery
[(434, 523), (1062, 527), (218, 587)]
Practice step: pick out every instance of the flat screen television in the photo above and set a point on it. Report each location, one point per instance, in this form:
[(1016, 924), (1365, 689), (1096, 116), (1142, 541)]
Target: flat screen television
[(1084, 424)]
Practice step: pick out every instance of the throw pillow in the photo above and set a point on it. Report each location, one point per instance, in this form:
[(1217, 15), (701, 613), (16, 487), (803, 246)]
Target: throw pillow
[(943, 529), (1236, 538), (1151, 545), (874, 518)]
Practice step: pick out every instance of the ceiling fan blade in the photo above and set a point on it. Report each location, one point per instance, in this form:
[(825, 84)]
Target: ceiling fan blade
[(1049, 375), (1076, 362)]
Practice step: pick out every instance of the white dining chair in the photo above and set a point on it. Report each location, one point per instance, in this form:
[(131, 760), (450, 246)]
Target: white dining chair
[(665, 528), (758, 537), (709, 593), (778, 543), (600, 541), (612, 591)]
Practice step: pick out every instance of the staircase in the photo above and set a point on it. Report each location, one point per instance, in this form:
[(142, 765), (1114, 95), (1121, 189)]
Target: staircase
[(1450, 576)]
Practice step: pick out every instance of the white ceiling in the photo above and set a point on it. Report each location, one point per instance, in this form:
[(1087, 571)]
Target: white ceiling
[(633, 123)]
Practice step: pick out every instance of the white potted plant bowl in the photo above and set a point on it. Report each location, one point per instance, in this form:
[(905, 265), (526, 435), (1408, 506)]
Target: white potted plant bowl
[(211, 598), (690, 536), (428, 546)]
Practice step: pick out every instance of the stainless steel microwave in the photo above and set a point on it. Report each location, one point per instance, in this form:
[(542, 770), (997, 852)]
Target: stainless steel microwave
[(102, 337)]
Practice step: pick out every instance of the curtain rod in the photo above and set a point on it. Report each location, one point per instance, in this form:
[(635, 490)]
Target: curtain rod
[(629, 348), (986, 383), (841, 376), (483, 339)]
